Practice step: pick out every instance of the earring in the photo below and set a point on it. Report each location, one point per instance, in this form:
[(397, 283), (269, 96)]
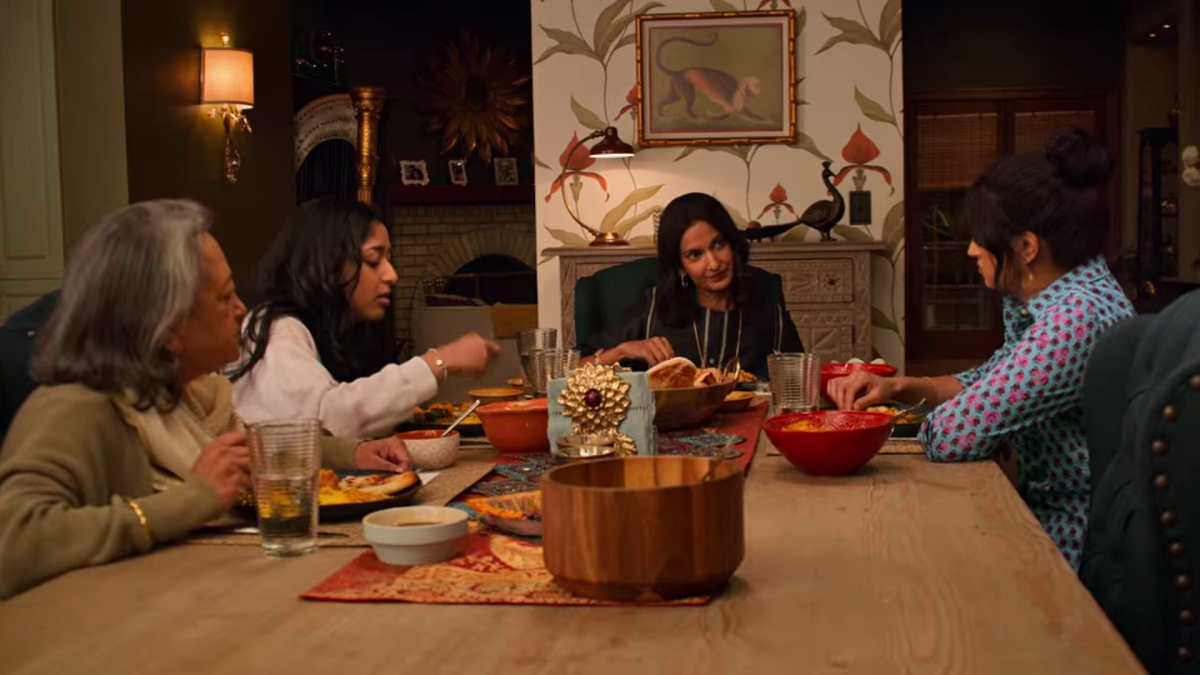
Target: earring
[(683, 279)]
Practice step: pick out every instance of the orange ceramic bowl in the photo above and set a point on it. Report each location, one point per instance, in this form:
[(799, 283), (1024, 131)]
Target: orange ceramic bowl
[(832, 371), (841, 441), (517, 426)]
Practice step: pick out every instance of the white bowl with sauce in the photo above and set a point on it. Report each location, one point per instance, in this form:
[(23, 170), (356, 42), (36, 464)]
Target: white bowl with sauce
[(416, 535)]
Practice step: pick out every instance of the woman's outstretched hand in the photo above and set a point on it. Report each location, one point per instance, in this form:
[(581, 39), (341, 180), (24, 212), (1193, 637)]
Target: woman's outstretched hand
[(653, 351), (861, 389), (468, 355)]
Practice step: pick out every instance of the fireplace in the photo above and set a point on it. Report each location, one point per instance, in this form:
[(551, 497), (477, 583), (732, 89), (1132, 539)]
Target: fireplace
[(484, 252)]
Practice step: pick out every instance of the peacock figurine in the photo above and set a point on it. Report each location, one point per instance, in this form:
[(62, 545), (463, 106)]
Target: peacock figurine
[(822, 215)]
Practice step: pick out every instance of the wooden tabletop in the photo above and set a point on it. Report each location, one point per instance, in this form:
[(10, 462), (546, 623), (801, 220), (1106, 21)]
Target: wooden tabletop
[(907, 567)]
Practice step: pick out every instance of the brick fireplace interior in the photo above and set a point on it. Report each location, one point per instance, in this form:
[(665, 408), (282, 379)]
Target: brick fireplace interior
[(484, 252)]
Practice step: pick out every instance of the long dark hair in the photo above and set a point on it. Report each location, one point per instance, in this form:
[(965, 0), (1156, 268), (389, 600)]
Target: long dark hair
[(1056, 193), (677, 302), (303, 276)]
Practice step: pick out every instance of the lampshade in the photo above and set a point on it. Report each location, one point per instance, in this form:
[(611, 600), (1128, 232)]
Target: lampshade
[(227, 77), (611, 146)]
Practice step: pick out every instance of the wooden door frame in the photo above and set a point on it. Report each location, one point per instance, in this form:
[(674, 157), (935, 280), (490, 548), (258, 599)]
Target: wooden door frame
[(1005, 101)]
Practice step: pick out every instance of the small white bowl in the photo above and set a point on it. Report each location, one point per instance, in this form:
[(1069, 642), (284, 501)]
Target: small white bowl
[(429, 450), (416, 535)]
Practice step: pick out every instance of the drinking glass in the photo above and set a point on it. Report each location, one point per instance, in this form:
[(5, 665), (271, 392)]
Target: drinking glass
[(795, 382), (550, 364), (529, 341), (285, 458)]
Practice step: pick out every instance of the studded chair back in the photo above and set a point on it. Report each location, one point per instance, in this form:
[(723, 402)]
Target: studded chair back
[(1141, 559)]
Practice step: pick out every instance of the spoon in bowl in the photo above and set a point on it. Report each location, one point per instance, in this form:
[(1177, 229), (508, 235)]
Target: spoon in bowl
[(461, 417)]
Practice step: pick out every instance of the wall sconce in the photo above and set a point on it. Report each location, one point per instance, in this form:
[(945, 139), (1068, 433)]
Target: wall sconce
[(609, 147), (227, 80)]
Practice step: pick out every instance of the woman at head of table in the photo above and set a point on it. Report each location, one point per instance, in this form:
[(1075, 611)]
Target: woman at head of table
[(326, 278), (130, 441), (1039, 223), (706, 305)]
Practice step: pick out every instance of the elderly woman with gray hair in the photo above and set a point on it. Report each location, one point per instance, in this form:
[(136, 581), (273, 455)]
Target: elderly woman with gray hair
[(131, 441)]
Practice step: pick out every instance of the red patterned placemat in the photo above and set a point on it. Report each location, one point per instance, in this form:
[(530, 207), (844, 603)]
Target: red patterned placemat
[(493, 570), (746, 424)]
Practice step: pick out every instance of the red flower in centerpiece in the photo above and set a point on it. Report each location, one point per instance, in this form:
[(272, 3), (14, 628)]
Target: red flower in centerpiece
[(632, 99), (859, 153), (779, 201), (574, 165)]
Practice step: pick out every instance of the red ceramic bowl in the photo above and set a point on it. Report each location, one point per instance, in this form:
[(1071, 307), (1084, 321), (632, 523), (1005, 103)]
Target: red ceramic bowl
[(832, 371), (849, 440), (517, 426)]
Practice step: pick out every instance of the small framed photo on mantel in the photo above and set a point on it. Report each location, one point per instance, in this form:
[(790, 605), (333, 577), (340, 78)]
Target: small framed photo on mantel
[(414, 172), (458, 172), (506, 170)]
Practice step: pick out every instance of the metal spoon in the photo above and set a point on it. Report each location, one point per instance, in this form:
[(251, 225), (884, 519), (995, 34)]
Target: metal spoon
[(461, 417), (900, 412), (733, 370)]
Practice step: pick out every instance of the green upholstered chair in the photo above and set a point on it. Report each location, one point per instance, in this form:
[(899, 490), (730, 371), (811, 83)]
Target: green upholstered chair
[(16, 350), (601, 298)]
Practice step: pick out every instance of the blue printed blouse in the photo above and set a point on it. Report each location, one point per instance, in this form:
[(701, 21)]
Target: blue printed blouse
[(1027, 398)]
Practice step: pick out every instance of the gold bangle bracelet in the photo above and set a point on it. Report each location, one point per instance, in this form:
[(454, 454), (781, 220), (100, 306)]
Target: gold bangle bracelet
[(141, 516), (933, 387)]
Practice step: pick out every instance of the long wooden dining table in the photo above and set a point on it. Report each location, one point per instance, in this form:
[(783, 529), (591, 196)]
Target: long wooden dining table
[(907, 566)]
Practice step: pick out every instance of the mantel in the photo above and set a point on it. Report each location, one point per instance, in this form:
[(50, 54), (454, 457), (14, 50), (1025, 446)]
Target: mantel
[(426, 195)]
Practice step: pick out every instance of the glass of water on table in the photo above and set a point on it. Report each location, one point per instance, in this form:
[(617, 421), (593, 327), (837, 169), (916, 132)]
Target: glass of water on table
[(795, 382), (285, 460), (528, 342)]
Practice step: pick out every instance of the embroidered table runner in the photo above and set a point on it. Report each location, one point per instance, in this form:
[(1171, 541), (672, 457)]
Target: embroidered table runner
[(494, 569)]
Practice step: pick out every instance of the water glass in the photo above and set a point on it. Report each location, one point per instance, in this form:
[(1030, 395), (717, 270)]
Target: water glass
[(531, 340), (550, 364), (795, 382), (285, 459)]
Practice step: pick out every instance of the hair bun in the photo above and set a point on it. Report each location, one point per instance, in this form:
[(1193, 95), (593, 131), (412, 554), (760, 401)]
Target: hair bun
[(1079, 157)]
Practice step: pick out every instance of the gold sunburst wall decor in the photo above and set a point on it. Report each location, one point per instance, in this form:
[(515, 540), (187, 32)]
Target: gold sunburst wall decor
[(476, 97)]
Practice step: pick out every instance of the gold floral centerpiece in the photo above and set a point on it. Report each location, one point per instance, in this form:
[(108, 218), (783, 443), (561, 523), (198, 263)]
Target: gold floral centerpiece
[(597, 401), (477, 98)]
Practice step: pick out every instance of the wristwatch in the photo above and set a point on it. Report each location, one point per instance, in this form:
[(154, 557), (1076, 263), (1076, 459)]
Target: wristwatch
[(440, 363)]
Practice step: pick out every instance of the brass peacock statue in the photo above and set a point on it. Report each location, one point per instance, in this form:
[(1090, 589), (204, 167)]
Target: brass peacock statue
[(821, 216)]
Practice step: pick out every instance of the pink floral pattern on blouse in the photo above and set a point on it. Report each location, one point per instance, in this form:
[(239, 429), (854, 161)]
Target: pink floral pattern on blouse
[(1027, 399)]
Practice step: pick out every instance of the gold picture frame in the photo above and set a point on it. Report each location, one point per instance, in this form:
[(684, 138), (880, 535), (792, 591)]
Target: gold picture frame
[(733, 80)]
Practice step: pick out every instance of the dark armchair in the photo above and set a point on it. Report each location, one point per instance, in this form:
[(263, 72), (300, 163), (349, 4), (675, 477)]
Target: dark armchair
[(1141, 559), (601, 298), (16, 350)]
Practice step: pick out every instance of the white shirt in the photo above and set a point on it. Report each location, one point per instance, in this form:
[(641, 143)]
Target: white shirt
[(290, 382)]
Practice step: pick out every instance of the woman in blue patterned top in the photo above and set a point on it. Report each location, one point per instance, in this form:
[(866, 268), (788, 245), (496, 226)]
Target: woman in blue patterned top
[(1039, 224)]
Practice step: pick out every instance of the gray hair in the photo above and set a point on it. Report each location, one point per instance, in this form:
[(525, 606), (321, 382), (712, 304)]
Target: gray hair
[(133, 276)]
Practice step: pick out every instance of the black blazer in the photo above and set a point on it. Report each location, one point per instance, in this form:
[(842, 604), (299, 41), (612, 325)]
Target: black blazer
[(1141, 558)]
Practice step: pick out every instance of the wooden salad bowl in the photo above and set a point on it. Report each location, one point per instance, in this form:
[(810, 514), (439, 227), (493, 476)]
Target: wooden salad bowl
[(643, 529), (688, 407)]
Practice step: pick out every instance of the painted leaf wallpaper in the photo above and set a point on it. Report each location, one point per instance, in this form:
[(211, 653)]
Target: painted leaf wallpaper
[(848, 103)]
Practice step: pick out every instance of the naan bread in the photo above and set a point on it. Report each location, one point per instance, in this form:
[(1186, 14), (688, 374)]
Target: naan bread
[(676, 373), (706, 377), (379, 483)]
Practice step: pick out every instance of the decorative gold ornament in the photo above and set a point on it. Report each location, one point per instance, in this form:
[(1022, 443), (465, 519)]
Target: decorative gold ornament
[(477, 98), (597, 401)]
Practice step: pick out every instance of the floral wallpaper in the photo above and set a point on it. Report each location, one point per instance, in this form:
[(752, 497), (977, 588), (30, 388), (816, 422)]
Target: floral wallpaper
[(848, 97)]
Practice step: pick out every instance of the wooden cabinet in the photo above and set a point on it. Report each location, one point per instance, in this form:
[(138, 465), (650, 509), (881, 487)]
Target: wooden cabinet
[(951, 139), (827, 288)]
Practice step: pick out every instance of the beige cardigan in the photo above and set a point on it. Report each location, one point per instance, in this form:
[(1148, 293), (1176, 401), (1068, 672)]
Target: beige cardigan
[(67, 464)]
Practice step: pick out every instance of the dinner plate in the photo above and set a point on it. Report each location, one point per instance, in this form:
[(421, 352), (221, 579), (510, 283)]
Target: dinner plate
[(341, 512), (910, 430)]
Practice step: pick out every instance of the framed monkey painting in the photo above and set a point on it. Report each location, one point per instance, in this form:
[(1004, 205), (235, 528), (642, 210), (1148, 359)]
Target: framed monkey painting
[(716, 77)]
